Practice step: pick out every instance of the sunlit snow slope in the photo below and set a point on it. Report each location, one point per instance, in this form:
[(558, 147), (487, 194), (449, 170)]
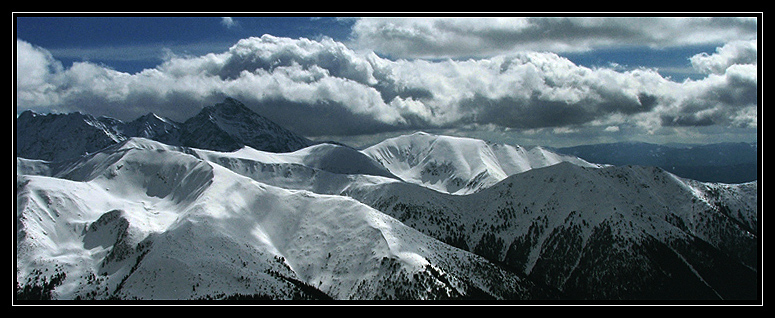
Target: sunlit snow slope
[(143, 220), (459, 165)]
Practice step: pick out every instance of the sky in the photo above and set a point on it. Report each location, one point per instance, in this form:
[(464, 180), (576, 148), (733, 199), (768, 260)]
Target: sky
[(520, 79)]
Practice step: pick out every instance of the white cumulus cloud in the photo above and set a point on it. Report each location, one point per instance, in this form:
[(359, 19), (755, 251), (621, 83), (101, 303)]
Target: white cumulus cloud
[(737, 52)]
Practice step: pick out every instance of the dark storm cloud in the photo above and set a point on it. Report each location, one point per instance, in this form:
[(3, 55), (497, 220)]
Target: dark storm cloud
[(536, 112), (726, 99), (328, 117)]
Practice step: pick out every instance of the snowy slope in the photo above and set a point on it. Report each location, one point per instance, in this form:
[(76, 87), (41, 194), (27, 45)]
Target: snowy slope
[(459, 165), (610, 233), (144, 220), (327, 157), (322, 168)]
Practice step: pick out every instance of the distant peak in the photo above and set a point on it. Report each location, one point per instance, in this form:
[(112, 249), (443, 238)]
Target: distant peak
[(149, 116), (27, 113), (417, 135)]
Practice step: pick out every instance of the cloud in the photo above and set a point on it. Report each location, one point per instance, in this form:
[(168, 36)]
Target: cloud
[(326, 88), (727, 96), (36, 71), (228, 22), (719, 99), (300, 82), (737, 52), (479, 37)]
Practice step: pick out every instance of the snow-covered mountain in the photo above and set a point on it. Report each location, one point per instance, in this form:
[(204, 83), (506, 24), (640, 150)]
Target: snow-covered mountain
[(459, 165), (144, 220), (226, 126), (628, 232), (414, 217)]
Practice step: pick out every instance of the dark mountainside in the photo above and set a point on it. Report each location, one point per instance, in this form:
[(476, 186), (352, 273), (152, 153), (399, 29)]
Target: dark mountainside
[(627, 233), (226, 126), (230, 125)]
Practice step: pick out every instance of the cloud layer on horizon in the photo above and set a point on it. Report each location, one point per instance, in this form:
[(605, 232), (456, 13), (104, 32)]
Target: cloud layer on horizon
[(325, 87)]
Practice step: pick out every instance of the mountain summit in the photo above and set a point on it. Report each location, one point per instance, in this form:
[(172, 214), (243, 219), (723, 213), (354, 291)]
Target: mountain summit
[(154, 127), (230, 125)]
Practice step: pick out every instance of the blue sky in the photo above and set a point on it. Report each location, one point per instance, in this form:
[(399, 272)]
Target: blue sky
[(134, 43), (554, 81)]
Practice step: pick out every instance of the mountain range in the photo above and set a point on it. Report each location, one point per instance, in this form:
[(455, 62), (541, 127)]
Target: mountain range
[(226, 126), (719, 162), (251, 211)]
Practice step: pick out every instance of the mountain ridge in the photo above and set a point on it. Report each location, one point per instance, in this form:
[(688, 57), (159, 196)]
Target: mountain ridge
[(226, 126), (729, 162), (41, 136), (459, 165), (543, 223)]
